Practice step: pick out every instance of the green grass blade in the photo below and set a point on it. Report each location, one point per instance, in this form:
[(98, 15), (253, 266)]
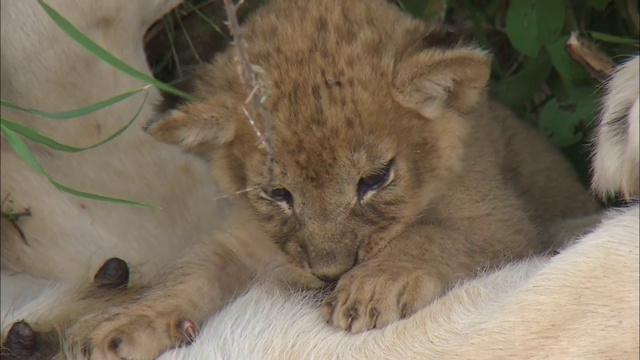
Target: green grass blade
[(103, 54), (21, 148), (35, 136), (23, 151), (613, 39), (91, 196), (65, 115)]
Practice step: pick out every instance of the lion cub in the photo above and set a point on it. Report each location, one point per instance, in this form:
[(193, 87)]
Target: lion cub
[(394, 175), (393, 172)]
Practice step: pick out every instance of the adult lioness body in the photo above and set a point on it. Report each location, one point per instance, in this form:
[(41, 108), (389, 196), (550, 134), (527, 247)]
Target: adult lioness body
[(474, 174)]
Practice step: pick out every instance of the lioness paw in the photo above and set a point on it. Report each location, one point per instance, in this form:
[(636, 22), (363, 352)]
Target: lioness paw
[(130, 332), (374, 295)]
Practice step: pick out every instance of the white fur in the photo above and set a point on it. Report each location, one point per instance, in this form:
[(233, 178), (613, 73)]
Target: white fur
[(580, 304), (616, 159)]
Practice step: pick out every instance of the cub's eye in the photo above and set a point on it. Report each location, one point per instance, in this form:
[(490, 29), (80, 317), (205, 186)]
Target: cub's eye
[(375, 180), (281, 195)]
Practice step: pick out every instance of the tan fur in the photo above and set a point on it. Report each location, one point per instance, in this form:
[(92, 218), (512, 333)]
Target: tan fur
[(465, 191), (466, 194), (580, 304)]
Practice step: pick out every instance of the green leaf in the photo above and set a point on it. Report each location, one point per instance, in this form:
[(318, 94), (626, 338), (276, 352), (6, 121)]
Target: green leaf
[(435, 11), (479, 30), (558, 87), (534, 23), (614, 39), (65, 115), (563, 63), (587, 102), (516, 90), (558, 124), (33, 135), (23, 151), (103, 54), (599, 4), (564, 124), (414, 7)]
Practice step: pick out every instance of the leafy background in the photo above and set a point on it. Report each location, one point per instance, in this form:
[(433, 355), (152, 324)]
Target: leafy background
[(533, 73)]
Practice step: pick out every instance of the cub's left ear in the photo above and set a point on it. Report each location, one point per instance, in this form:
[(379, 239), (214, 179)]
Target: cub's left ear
[(437, 80), (201, 128)]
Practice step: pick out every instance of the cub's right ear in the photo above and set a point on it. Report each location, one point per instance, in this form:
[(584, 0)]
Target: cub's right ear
[(198, 127), (440, 78)]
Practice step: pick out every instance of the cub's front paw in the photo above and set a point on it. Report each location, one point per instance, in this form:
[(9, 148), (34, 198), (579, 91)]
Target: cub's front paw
[(135, 331), (376, 294)]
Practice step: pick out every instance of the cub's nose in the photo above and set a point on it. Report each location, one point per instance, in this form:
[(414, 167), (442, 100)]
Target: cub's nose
[(331, 271), (330, 276), (329, 264)]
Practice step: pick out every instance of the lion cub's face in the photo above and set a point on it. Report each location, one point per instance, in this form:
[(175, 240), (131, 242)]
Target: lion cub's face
[(342, 186), (365, 136)]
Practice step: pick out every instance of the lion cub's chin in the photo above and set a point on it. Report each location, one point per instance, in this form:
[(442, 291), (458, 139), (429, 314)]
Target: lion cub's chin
[(297, 278)]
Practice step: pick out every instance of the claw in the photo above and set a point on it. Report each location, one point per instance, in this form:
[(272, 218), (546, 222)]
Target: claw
[(114, 273), (188, 328), (352, 315), (114, 344), (21, 340)]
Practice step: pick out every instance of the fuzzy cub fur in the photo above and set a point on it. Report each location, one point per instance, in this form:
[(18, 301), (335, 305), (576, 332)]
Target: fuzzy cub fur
[(580, 304), (394, 176)]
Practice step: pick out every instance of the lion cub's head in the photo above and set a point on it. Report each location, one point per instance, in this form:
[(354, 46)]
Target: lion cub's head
[(368, 110)]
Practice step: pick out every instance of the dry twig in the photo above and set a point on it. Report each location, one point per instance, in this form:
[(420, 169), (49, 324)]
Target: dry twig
[(245, 190), (597, 63), (13, 217), (257, 84)]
